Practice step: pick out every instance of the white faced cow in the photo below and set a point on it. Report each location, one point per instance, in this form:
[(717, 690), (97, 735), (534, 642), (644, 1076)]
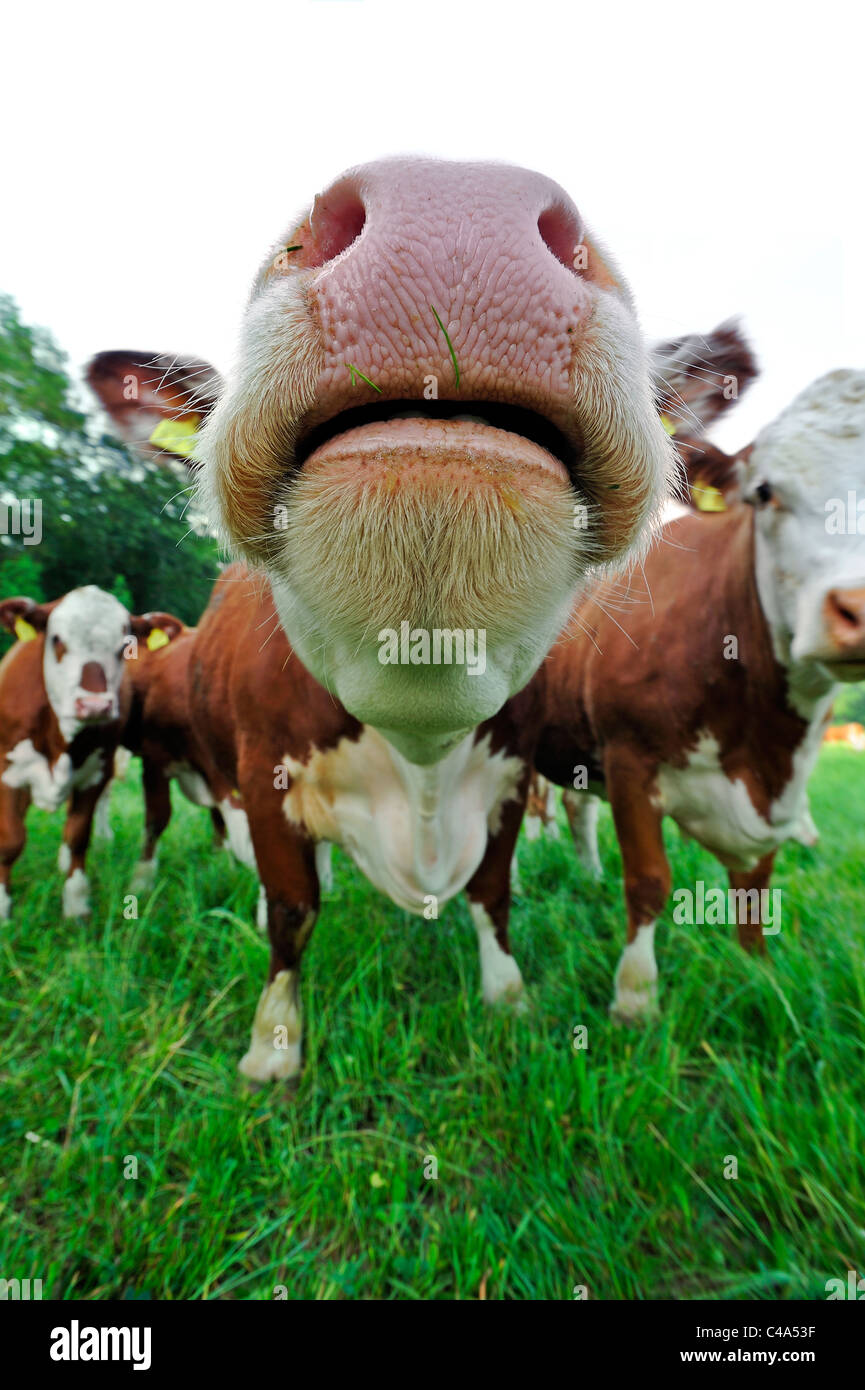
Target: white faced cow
[(61, 710), (704, 691), (442, 414)]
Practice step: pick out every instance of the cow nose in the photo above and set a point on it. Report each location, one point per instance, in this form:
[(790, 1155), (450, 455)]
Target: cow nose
[(429, 267), (844, 615), (89, 707)]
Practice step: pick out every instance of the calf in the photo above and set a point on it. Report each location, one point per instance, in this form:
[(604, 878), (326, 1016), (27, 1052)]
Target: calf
[(442, 414), (704, 692), (62, 706)]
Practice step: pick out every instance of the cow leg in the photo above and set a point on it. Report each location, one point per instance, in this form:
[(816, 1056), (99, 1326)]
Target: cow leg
[(102, 820), (324, 865), (647, 887), (489, 895), (13, 808), (286, 864), (218, 822), (76, 838), (157, 814), (582, 810), (751, 935)]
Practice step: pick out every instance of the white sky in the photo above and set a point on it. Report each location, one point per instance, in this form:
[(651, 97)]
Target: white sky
[(153, 151)]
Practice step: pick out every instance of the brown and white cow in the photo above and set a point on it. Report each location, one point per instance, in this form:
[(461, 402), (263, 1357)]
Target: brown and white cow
[(162, 729), (442, 414), (62, 707), (702, 689)]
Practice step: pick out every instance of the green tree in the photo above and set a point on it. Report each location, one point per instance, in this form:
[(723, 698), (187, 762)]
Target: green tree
[(107, 517)]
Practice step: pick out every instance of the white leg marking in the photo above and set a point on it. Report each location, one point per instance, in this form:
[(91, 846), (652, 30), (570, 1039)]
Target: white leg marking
[(143, 876), (261, 910), (532, 825), (76, 895), (5, 903), (324, 865), (500, 974), (583, 810), (64, 859), (274, 1049), (101, 819), (636, 985)]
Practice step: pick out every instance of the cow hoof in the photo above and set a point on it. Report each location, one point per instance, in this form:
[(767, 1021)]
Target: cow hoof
[(507, 990), (512, 1002), (632, 1008), (143, 876), (263, 1064), (76, 895)]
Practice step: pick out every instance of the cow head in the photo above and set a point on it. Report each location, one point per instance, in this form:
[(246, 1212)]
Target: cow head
[(441, 415), (87, 636), (804, 477)]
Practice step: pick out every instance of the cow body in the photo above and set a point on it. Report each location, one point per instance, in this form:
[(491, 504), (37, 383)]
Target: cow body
[(442, 414), (702, 689)]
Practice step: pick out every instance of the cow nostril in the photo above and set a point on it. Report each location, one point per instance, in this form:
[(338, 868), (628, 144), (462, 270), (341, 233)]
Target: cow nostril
[(562, 234), (337, 219)]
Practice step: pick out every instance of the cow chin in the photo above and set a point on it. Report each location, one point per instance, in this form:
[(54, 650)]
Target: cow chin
[(424, 598)]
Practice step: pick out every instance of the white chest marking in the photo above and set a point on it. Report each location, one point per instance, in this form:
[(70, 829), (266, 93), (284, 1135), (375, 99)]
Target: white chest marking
[(719, 812), (50, 786), (414, 831)]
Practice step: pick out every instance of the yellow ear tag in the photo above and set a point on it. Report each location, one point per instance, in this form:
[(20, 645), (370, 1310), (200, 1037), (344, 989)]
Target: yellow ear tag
[(668, 425), (157, 638), (707, 499), (176, 436), (24, 631)]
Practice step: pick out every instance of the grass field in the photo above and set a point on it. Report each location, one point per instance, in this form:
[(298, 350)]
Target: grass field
[(556, 1167)]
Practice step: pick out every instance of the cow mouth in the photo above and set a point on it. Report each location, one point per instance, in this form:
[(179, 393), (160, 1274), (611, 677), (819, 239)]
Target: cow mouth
[(484, 429)]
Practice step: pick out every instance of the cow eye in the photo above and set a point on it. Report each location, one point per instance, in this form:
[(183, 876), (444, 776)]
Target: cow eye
[(60, 648), (763, 493)]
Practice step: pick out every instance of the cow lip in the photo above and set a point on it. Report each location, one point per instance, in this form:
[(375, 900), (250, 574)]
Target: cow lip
[(515, 420)]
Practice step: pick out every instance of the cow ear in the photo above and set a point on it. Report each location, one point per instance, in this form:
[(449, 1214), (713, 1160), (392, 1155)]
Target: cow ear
[(156, 403), (699, 378), (156, 629), (24, 617), (712, 479)]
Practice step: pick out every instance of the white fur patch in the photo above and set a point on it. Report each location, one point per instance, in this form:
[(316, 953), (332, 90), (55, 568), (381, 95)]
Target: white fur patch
[(500, 974), (143, 876), (48, 786), (414, 831), (101, 818), (324, 865), (5, 903), (237, 834), (76, 895), (719, 813), (636, 983), (64, 858), (261, 910), (275, 1046)]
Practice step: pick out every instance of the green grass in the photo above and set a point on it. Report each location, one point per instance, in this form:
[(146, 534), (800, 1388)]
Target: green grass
[(556, 1168)]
